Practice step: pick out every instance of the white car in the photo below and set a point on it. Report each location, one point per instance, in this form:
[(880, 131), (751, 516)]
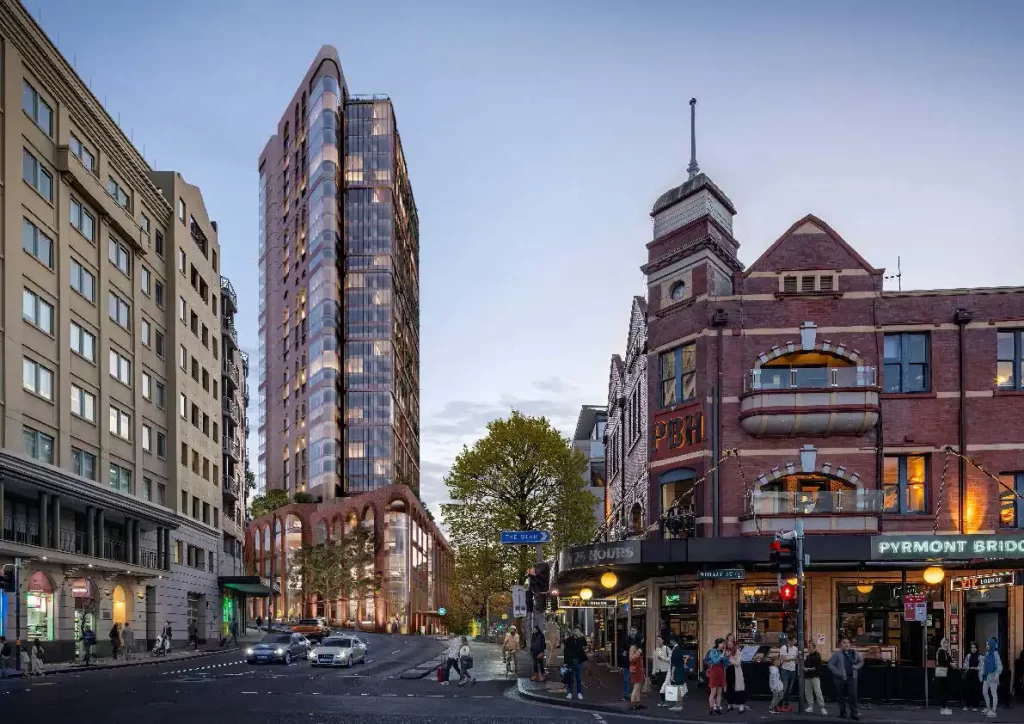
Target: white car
[(338, 651)]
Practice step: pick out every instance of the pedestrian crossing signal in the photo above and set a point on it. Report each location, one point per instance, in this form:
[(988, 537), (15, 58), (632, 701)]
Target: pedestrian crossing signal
[(787, 592)]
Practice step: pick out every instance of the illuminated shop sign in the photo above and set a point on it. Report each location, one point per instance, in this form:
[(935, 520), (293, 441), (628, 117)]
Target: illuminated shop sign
[(626, 551), (989, 580), (952, 547), (577, 602)]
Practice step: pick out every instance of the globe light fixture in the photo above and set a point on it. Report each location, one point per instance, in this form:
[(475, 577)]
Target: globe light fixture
[(609, 579), (586, 594), (934, 575), (865, 588)]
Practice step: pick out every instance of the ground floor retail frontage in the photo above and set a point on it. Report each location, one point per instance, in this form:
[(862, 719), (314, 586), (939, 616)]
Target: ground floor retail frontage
[(699, 590)]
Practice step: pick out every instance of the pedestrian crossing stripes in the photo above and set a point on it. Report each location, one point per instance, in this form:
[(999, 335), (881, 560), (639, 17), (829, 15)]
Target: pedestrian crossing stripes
[(203, 668)]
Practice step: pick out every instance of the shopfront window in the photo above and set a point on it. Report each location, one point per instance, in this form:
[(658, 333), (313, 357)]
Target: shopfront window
[(39, 606), (871, 614), (677, 502), (761, 616), (679, 616), (812, 494)]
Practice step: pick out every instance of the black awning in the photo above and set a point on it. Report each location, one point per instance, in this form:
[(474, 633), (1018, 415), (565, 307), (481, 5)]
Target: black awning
[(249, 585)]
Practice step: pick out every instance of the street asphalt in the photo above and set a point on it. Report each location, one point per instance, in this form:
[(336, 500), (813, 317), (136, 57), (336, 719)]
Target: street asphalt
[(222, 689)]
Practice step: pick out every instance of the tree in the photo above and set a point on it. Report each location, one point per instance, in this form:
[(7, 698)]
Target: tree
[(523, 475), (250, 478), (303, 497), (478, 580), (263, 504), (358, 575), (322, 571)]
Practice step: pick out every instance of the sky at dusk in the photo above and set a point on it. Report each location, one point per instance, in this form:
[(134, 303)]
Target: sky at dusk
[(538, 135)]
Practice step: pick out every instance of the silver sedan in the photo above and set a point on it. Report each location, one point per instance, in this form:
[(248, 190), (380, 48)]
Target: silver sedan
[(338, 651)]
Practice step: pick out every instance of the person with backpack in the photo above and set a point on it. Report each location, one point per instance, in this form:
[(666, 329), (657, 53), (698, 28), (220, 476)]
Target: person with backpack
[(88, 640), (714, 670), (575, 648)]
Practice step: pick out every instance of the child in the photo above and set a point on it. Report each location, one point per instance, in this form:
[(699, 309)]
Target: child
[(775, 685)]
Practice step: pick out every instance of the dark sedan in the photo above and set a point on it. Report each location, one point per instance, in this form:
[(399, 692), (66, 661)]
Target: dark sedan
[(280, 648)]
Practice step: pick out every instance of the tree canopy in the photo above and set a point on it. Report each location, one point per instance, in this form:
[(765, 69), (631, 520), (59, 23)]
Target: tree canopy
[(337, 569), (263, 504), (522, 475)]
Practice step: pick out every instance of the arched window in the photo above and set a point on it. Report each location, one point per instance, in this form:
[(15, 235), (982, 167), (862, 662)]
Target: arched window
[(678, 291), (337, 530), (266, 551), (807, 370), (321, 533), (677, 502), (801, 494), (636, 518)]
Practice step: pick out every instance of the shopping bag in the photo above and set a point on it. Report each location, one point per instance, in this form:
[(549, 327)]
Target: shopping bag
[(675, 693)]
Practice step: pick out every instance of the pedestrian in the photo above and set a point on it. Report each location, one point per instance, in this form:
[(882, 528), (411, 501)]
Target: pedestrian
[(88, 639), (234, 631), (36, 659), (812, 679), (259, 622), (775, 685), (632, 639), (677, 675), (451, 659), (991, 668), (465, 663), (943, 662), (128, 639), (167, 638), (5, 656), (193, 636), (972, 677), (115, 640), (575, 653), (735, 685), (845, 664), (636, 677), (660, 669), (553, 638), (510, 649), (537, 647), (714, 670), (788, 654)]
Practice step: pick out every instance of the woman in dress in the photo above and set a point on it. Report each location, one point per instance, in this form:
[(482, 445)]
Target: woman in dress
[(714, 663), (636, 677)]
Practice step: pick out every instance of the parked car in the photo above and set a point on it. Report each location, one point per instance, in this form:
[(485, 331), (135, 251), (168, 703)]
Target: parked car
[(278, 648), (338, 651), (312, 628)]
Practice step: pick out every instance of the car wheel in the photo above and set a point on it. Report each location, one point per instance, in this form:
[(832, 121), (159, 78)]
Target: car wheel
[(287, 658)]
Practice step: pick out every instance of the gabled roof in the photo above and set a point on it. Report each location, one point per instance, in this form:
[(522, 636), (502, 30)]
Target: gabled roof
[(689, 188), (808, 231), (637, 320), (616, 373)]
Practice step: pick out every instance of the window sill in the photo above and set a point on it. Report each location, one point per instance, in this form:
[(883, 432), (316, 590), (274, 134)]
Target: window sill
[(905, 516), (818, 294), (1008, 393), (909, 395)]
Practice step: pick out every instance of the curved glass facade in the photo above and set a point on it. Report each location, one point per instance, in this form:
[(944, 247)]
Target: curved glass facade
[(261, 460)]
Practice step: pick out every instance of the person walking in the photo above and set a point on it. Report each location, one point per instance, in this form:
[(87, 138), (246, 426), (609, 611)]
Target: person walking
[(636, 678), (677, 673), (5, 656), (510, 649), (537, 647), (845, 664), (465, 663), (633, 638), (88, 639), (259, 622), (735, 686), (167, 637), (575, 651), (788, 654), (714, 668), (971, 674), (115, 640), (193, 636), (943, 663), (991, 668), (128, 639), (775, 685), (812, 679), (660, 669), (451, 659)]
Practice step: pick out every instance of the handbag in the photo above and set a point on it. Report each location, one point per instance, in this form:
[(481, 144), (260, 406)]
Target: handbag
[(675, 693), (941, 671), (466, 663)]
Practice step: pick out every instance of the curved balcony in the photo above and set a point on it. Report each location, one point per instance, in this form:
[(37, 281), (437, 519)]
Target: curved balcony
[(227, 293), (228, 328), (232, 449), (229, 371), (823, 511), (781, 401), (230, 410), (232, 488)]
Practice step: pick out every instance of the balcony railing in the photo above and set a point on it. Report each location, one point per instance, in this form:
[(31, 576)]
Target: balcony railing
[(232, 449), (230, 409), (227, 293), (230, 371), (17, 530), (808, 378), (824, 502), (232, 487), (229, 331)]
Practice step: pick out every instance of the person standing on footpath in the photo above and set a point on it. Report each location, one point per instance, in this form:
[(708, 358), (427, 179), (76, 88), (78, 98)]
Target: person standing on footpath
[(636, 678), (735, 686), (537, 647), (972, 678), (812, 679), (575, 648), (88, 639), (845, 664), (991, 668), (677, 673), (128, 638), (662, 659), (633, 639), (714, 667), (115, 640), (788, 654), (943, 663)]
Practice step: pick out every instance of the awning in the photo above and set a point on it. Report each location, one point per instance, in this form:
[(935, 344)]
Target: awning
[(249, 585)]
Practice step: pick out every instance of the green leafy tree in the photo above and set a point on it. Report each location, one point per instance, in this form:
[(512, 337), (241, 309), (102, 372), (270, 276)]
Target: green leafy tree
[(250, 478), (301, 497), (358, 573), (321, 571), (263, 504), (523, 475)]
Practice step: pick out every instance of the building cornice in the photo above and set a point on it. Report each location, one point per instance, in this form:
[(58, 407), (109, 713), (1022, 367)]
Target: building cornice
[(46, 61), (706, 242)]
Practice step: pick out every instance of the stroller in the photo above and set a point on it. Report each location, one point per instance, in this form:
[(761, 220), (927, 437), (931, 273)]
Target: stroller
[(162, 646)]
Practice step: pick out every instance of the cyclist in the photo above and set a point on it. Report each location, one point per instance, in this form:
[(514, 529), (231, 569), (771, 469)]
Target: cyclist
[(510, 649)]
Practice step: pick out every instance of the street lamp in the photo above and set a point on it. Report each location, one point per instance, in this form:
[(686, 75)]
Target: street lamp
[(934, 575), (586, 594), (792, 580), (865, 588), (609, 579)]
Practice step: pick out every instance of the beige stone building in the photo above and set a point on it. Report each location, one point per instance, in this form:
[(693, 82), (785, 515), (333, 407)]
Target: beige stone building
[(111, 468)]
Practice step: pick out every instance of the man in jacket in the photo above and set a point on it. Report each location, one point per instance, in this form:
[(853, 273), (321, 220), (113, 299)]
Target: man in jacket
[(845, 665)]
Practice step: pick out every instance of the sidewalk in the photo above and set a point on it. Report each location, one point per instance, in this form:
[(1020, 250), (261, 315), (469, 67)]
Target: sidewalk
[(602, 692)]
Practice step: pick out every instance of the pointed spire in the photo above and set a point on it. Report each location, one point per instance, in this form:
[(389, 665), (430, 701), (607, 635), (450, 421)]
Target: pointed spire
[(693, 169)]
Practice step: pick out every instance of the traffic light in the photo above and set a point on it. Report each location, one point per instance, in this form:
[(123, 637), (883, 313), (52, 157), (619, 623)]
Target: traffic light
[(783, 555), (787, 592)]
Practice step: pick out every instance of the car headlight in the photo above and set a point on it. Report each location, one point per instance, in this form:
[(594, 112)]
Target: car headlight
[(279, 652), (248, 652)]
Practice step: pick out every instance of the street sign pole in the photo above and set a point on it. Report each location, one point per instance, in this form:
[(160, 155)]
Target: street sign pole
[(17, 614), (800, 615), (533, 615)]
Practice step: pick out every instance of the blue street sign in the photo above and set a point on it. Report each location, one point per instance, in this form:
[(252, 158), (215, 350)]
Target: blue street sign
[(525, 537), (442, 611)]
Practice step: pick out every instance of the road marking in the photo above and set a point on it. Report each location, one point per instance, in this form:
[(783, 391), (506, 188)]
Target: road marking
[(598, 717), (389, 695), (250, 692), (481, 697)]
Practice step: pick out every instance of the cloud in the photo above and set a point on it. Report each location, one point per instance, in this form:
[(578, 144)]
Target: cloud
[(555, 385)]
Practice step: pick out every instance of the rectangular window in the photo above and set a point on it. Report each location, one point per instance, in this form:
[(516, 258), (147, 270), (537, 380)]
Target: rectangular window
[(195, 507), (182, 357), (144, 223), (38, 445), (120, 423), (118, 193), (678, 375), (119, 256), (36, 108), (120, 478), (206, 513), (1010, 356), (181, 260), (83, 343), (36, 311), (181, 209), (158, 394), (82, 281), (158, 343), (144, 280), (120, 368), (147, 489), (906, 362), (82, 153), (83, 403), (147, 386), (158, 243), (161, 494), (158, 293), (789, 285), (184, 503), (183, 405), (36, 243), (120, 311), (161, 445), (83, 463), (36, 175), (147, 438), (807, 284), (146, 333), (82, 220), (37, 379), (182, 309), (905, 484), (1011, 504)]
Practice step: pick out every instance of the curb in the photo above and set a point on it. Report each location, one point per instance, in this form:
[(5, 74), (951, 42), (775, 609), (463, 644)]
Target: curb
[(146, 662), (423, 668)]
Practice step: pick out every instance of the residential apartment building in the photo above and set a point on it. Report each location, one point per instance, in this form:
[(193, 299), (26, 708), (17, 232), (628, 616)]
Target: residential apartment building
[(797, 390), (108, 496), (339, 296)]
